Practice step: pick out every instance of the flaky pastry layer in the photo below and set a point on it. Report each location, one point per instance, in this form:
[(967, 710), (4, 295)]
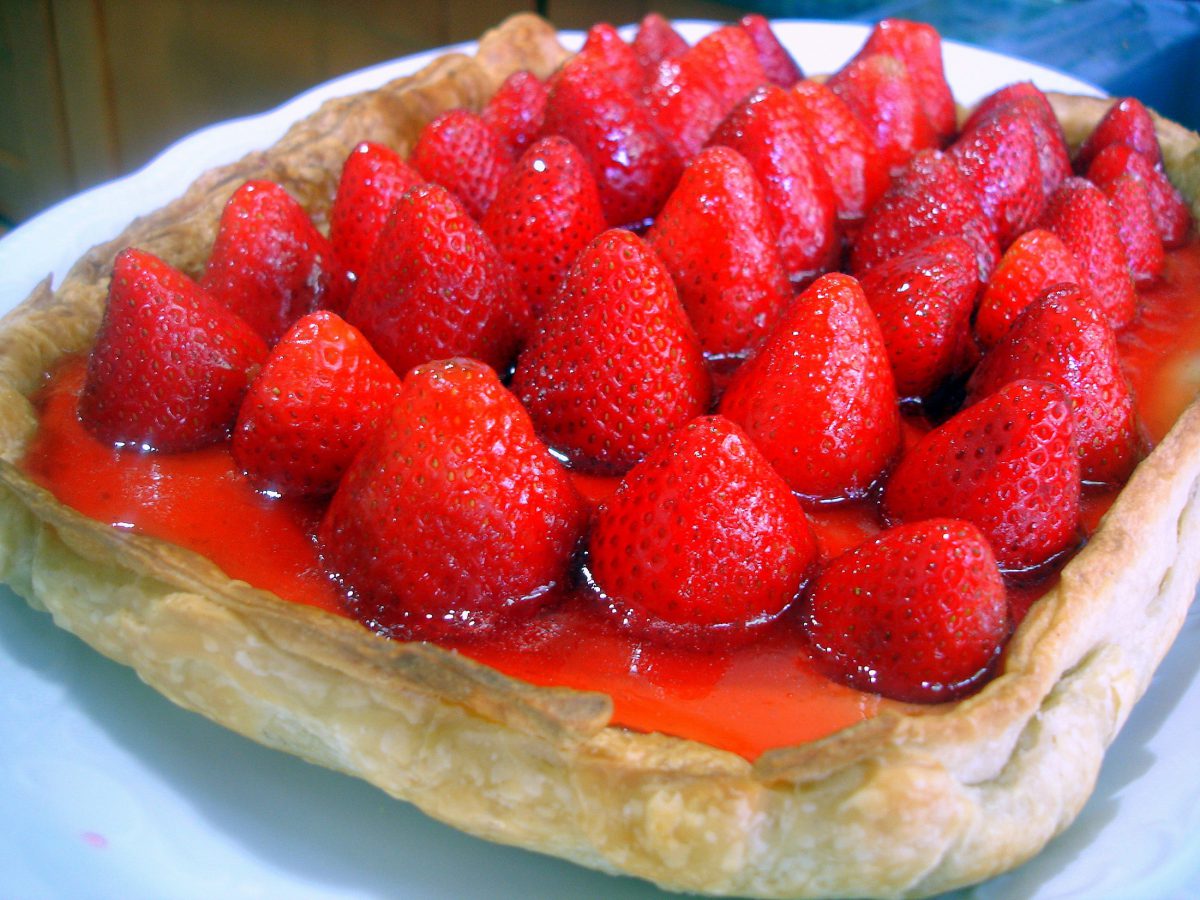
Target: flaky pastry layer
[(908, 803)]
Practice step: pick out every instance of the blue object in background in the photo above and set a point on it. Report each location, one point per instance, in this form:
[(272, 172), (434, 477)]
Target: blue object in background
[(1148, 49)]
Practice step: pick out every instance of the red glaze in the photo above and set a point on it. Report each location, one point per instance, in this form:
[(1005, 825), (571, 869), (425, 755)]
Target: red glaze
[(1160, 349), (747, 699), (198, 499), (743, 700)]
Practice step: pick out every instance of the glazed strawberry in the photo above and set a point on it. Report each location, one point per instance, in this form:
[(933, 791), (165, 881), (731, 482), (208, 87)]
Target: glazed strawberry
[(657, 40), (1061, 338), (702, 536), (607, 52), (778, 64), (818, 397), (930, 198), (729, 58), (269, 264), (614, 366), (517, 111), (170, 364), (1137, 226), (879, 92), (681, 106), (546, 211), (923, 301), (1025, 100), (919, 47), (454, 518), (373, 178), (1035, 262), (846, 152), (462, 153), (1079, 215), (767, 130), (1170, 210), (320, 394), (634, 165), (1011, 95), (1127, 123), (918, 613), (999, 157), (437, 287), (1006, 464), (715, 238)]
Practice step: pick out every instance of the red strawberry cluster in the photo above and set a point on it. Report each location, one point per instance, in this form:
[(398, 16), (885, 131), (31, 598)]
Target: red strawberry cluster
[(638, 269)]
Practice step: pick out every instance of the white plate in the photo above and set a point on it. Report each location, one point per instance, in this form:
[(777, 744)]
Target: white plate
[(108, 790)]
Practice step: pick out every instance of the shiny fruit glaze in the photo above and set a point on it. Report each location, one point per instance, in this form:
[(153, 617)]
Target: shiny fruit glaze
[(1161, 351), (747, 699)]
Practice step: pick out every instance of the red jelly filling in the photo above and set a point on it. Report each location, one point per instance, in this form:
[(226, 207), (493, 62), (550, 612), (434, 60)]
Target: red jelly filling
[(747, 699)]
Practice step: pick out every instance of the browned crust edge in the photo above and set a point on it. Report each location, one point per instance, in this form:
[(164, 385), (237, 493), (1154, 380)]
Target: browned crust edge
[(906, 804)]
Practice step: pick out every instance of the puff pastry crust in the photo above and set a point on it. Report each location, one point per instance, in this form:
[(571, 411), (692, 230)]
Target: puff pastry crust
[(908, 803)]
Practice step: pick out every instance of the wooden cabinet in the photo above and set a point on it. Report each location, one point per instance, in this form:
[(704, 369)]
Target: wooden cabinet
[(90, 89), (35, 158)]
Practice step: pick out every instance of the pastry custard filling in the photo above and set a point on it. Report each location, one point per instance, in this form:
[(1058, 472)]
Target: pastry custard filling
[(749, 698)]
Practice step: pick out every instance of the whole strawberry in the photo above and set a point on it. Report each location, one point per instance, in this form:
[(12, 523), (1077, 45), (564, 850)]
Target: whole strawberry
[(1025, 100), (730, 59), (1061, 338), (999, 156), (269, 264), (923, 301), (1079, 215), (1171, 211), (778, 64), (918, 613), (768, 131), (843, 148), (634, 165), (546, 211), (930, 198), (879, 91), (1137, 226), (919, 47), (436, 287), (606, 51), (714, 236), (818, 398), (1033, 263), (454, 518), (1126, 123), (462, 153), (656, 40), (1006, 464), (681, 106), (170, 364), (517, 111), (614, 366), (721, 543), (320, 394), (373, 178)]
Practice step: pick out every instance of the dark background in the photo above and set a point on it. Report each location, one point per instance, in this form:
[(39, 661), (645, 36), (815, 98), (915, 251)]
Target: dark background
[(90, 89)]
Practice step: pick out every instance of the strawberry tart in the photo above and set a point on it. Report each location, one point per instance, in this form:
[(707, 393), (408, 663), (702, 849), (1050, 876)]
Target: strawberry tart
[(760, 484)]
